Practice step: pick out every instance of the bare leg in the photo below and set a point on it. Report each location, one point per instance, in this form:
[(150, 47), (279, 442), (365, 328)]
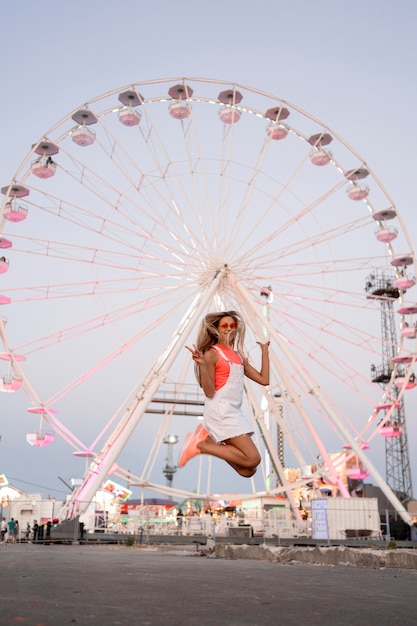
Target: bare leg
[(243, 471), (240, 452)]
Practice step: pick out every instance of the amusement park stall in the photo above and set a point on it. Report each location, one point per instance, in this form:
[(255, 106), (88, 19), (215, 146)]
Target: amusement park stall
[(341, 518)]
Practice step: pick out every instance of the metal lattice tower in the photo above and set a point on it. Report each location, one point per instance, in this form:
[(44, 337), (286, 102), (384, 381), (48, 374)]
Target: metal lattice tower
[(280, 434), (380, 286)]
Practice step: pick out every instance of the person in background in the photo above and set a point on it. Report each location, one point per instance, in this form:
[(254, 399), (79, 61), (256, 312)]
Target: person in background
[(3, 529), (11, 524), (16, 531), (35, 530), (180, 518)]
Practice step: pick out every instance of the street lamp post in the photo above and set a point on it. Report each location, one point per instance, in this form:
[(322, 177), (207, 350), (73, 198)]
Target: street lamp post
[(170, 469)]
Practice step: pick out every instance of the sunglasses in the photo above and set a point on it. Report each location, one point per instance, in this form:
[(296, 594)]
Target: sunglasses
[(232, 326)]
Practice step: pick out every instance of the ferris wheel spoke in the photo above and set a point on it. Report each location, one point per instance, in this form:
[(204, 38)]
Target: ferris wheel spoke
[(316, 239), (282, 230), (252, 178), (107, 318)]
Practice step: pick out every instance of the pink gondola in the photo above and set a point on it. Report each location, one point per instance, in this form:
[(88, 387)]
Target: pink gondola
[(390, 431), (404, 282), (357, 473), (10, 384), (83, 136), (320, 157), (129, 117), (277, 131), (15, 212), (229, 115), (410, 332), (387, 406), (400, 382), (40, 439), (358, 192), (43, 168), (386, 235), (179, 110)]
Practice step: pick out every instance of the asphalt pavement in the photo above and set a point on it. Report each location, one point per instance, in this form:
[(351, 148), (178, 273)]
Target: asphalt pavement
[(56, 585)]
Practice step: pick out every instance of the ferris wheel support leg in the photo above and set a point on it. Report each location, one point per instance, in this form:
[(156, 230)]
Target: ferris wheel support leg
[(141, 397), (314, 389), (275, 459), (253, 314)]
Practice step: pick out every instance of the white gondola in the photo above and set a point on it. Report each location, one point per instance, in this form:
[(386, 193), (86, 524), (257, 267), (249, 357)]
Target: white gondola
[(129, 116), (358, 192), (277, 131), (43, 167), (385, 234), (229, 114), (320, 157), (179, 110), (83, 136)]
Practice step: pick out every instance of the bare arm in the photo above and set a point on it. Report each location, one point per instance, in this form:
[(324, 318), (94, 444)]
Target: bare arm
[(207, 364), (261, 377)]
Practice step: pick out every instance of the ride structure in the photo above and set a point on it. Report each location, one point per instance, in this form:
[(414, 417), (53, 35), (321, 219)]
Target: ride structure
[(381, 286), (149, 206)]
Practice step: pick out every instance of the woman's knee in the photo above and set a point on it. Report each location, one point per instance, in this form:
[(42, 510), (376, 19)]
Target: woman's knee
[(246, 472), (253, 460), (251, 456)]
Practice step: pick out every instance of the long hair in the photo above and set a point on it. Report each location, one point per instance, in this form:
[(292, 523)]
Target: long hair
[(208, 334)]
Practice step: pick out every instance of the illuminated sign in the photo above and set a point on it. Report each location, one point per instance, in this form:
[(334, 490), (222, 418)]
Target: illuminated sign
[(117, 490), (3, 480)]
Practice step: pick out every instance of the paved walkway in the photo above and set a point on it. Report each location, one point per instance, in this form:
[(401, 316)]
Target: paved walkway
[(55, 585)]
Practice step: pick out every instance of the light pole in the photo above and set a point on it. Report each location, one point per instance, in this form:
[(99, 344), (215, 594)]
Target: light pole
[(266, 294), (170, 469)]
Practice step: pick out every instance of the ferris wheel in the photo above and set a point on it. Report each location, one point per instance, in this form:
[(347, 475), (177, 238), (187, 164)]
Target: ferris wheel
[(157, 202)]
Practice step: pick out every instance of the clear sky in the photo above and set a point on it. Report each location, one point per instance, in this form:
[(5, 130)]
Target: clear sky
[(351, 65)]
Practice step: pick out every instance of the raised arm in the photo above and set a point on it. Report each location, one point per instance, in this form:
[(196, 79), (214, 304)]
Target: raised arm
[(261, 377)]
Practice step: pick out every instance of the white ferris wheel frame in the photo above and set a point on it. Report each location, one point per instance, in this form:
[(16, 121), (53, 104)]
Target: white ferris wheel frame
[(218, 281)]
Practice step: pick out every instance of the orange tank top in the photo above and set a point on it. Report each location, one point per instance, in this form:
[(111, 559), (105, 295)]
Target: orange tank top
[(222, 370)]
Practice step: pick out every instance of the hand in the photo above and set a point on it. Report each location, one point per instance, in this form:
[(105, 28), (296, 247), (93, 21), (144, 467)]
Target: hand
[(264, 346), (198, 356)]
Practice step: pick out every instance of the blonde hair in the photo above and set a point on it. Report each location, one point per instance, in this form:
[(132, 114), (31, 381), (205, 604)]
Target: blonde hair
[(208, 334)]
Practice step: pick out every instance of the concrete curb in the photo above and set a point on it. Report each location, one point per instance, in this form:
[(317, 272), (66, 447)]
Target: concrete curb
[(400, 559)]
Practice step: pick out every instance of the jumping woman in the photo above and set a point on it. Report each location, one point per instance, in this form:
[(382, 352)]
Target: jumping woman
[(220, 366)]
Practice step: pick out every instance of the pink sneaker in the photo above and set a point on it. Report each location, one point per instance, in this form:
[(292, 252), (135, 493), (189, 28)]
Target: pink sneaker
[(189, 448)]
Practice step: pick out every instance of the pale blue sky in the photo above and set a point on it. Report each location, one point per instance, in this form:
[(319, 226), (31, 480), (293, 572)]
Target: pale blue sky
[(351, 65)]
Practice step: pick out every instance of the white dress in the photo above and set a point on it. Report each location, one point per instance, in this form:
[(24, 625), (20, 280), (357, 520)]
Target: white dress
[(223, 415)]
